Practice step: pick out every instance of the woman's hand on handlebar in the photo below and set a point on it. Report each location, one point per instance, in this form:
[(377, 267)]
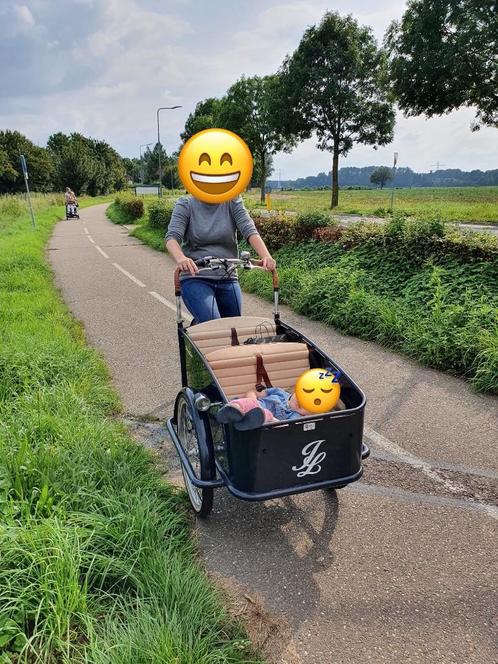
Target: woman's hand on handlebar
[(268, 263), (187, 265)]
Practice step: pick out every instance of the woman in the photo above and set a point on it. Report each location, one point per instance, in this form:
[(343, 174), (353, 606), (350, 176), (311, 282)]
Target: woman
[(199, 229)]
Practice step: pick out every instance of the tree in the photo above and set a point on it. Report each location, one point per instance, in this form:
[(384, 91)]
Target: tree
[(204, 117), (444, 54), (151, 163), (85, 164), (171, 179), (257, 175), (336, 84), (381, 176), (133, 168), (248, 110), (40, 167)]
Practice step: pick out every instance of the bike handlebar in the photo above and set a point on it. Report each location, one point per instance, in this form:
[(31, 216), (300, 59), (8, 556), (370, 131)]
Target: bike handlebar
[(211, 262)]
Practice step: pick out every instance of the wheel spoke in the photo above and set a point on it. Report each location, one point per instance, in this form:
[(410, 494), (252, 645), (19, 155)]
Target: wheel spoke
[(188, 438)]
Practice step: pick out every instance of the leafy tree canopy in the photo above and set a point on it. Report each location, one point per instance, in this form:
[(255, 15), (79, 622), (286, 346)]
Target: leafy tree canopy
[(444, 54), (381, 176), (40, 166), (248, 109), (335, 84), (85, 164), (205, 116)]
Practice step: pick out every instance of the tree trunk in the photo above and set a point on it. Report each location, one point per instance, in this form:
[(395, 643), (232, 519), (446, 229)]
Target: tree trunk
[(263, 177), (335, 177)]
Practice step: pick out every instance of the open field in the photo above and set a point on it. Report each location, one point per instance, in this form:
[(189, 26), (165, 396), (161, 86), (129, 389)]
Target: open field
[(96, 560), (466, 204)]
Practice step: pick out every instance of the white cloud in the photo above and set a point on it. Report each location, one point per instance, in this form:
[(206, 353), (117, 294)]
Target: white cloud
[(102, 67), (24, 15)]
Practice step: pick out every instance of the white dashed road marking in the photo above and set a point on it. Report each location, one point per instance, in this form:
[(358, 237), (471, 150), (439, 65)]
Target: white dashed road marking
[(101, 251), (86, 230), (130, 276), (91, 239), (169, 304)]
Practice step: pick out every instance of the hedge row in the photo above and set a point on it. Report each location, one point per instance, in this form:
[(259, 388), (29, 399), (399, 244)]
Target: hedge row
[(409, 285), (160, 214), (430, 235)]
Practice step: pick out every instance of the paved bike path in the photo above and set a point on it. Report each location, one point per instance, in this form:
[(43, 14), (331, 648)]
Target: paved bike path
[(398, 568)]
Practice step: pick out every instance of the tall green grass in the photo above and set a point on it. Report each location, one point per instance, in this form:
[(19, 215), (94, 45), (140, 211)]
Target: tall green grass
[(96, 560)]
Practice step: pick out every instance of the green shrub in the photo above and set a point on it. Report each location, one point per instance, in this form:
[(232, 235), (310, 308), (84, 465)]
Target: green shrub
[(311, 220), (128, 208), (307, 222), (134, 208), (160, 214), (276, 231), (380, 212), (327, 233), (359, 233)]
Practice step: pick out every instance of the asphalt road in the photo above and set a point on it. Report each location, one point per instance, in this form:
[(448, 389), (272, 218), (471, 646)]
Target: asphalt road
[(399, 567)]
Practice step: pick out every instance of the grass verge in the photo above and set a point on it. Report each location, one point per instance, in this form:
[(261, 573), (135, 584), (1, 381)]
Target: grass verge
[(118, 216), (96, 560), (154, 237)]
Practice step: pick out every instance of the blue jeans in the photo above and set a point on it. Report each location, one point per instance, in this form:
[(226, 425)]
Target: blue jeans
[(209, 298)]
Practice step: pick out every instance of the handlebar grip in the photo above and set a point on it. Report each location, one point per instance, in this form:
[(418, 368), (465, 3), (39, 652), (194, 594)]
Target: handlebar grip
[(177, 281), (274, 272)]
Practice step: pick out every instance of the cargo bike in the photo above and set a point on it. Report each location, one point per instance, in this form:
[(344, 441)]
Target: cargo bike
[(224, 358)]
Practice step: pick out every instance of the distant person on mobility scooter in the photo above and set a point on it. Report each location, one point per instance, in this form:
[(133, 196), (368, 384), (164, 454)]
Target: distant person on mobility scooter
[(215, 166), (71, 204)]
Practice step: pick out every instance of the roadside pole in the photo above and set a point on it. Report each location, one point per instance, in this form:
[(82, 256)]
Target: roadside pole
[(268, 198), (26, 177), (395, 161)]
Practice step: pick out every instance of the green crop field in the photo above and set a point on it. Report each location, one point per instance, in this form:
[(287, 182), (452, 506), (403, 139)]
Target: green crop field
[(468, 204), (465, 204)]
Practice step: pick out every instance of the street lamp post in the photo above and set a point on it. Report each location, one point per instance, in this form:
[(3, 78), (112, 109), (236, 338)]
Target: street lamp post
[(162, 108), (144, 145)]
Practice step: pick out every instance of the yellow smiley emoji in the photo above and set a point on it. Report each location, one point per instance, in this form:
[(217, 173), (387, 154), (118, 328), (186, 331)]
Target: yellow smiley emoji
[(316, 391), (215, 165)]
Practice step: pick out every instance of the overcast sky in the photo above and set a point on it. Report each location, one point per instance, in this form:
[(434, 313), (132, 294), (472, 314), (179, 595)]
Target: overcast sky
[(102, 67)]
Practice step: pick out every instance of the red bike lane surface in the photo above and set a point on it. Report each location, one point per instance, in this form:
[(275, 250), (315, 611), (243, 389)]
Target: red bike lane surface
[(400, 567)]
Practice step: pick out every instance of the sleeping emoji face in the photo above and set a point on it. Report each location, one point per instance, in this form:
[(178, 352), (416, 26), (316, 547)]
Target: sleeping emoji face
[(318, 390)]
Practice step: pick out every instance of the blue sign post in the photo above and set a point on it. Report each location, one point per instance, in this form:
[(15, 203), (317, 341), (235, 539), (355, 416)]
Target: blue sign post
[(24, 167)]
